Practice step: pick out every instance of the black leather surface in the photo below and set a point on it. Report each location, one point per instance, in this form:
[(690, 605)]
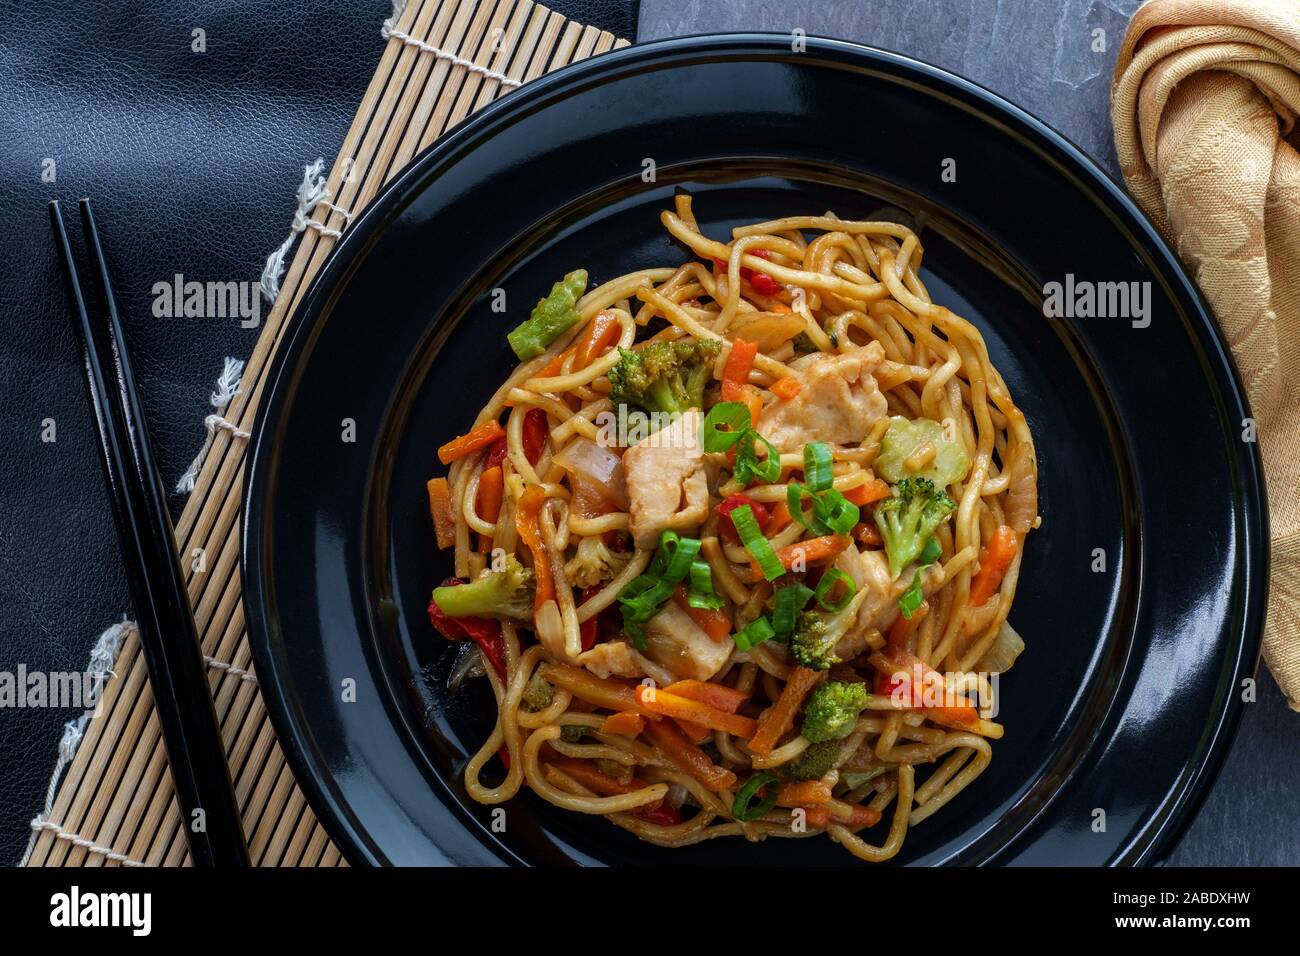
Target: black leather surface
[(192, 160)]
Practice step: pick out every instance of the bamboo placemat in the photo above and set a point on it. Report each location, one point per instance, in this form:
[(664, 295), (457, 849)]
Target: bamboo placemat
[(443, 60)]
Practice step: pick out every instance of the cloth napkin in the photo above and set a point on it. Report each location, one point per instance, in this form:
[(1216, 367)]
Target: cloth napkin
[(1204, 102)]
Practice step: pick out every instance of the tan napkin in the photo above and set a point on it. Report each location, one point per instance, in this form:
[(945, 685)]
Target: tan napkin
[(1204, 102)]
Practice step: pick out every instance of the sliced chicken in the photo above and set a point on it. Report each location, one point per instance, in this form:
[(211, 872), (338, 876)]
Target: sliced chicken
[(666, 484), (621, 659), (680, 645), (870, 572), (838, 401)]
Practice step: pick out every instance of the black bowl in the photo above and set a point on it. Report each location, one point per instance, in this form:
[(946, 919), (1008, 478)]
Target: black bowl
[(1142, 594)]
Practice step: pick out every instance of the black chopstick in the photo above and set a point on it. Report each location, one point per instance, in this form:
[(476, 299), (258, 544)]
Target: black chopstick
[(168, 637)]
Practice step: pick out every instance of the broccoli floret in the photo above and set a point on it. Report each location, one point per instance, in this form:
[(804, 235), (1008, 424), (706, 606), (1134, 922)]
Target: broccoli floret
[(573, 733), (815, 762), (908, 519), (832, 710), (594, 563), (664, 377), (505, 593), (817, 632)]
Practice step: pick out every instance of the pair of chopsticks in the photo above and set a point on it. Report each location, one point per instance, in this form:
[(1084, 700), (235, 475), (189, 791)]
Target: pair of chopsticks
[(168, 637)]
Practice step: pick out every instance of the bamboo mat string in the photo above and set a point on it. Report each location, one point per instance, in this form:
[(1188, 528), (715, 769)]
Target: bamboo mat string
[(442, 60)]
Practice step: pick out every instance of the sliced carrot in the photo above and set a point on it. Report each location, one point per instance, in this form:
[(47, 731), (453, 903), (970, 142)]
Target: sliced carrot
[(474, 439), (735, 372), (781, 308), (714, 622), (785, 388), (594, 779), (626, 722), (671, 705), (809, 551), (774, 724), (961, 714), (753, 399), (601, 332), (606, 692), (489, 502), (444, 519), (695, 733), (688, 757), (802, 794), (865, 532), (904, 627), (715, 695), (779, 520), (817, 817), (853, 815), (994, 561), (530, 505), (871, 491)]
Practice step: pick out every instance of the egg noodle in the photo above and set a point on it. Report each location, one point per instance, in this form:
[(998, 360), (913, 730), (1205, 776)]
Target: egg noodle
[(664, 663)]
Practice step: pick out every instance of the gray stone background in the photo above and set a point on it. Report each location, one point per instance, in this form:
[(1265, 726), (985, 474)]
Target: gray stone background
[(1040, 55)]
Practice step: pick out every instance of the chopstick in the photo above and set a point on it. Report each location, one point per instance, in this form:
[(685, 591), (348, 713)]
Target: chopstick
[(168, 636)]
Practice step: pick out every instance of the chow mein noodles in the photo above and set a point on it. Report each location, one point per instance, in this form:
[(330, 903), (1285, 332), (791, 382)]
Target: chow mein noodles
[(736, 542)]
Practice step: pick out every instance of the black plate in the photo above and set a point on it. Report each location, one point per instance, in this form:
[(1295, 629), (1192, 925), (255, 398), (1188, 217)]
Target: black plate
[(1128, 694)]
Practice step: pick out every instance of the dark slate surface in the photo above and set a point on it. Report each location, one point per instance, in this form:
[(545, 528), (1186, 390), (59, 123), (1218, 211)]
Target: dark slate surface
[(1040, 55)]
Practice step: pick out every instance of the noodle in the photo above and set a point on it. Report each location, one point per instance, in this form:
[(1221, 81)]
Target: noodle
[(678, 725)]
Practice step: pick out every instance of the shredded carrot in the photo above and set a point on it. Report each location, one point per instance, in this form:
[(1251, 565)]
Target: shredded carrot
[(904, 627), (489, 502), (594, 779), (690, 758), (818, 817), (601, 332), (444, 520), (471, 441), (626, 722), (714, 622), (530, 505), (994, 561), (852, 815), (779, 718), (695, 733), (715, 695), (781, 308), (786, 389), (671, 705), (606, 692), (866, 533), (735, 373), (802, 794), (865, 494), (809, 551), (780, 518), (960, 713)]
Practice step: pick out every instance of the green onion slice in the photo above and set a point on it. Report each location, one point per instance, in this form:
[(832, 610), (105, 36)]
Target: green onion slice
[(911, 598), (701, 593), (830, 578), (817, 465), (724, 425), (758, 546), (756, 797), (755, 632), (833, 513), (677, 554), (931, 552), (789, 601)]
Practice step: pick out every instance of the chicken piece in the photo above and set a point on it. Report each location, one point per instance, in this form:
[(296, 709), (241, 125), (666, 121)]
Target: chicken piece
[(621, 659), (681, 646), (837, 403), (879, 608), (666, 484)]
